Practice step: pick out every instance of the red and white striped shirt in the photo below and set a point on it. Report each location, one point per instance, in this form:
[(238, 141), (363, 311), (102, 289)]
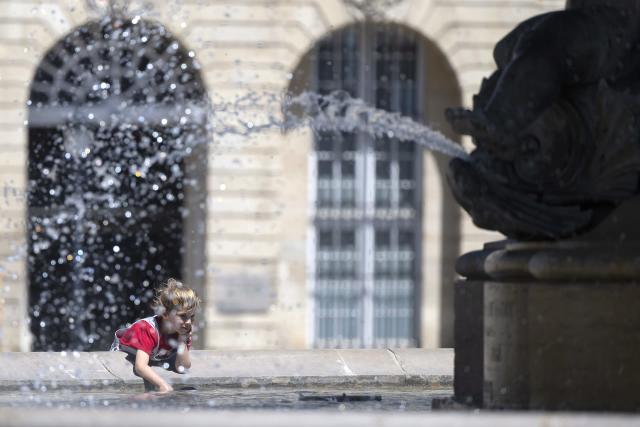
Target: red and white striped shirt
[(144, 334)]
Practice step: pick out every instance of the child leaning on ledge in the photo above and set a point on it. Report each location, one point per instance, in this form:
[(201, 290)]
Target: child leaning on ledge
[(167, 334)]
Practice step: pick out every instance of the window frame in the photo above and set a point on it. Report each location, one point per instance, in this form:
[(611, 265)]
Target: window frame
[(365, 190)]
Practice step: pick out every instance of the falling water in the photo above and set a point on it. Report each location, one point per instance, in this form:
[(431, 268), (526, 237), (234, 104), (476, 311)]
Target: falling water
[(337, 112)]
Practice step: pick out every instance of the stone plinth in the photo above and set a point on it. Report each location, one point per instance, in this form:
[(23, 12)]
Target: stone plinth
[(551, 325)]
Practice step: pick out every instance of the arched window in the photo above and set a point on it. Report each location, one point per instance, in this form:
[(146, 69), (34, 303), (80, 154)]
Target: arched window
[(368, 214), (117, 133)]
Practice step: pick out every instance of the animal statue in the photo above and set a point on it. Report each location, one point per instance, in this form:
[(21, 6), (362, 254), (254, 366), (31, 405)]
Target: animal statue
[(556, 126)]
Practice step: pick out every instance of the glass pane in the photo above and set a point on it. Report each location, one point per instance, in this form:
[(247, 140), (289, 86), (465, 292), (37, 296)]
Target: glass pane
[(383, 194), (383, 169), (407, 198), (325, 195), (383, 148), (406, 169), (348, 193), (325, 169), (325, 239), (324, 142), (406, 147), (348, 239), (348, 168), (348, 142), (406, 240), (383, 239)]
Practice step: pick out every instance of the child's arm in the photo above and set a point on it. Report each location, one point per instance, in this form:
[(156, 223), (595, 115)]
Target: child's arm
[(144, 370), (182, 358)]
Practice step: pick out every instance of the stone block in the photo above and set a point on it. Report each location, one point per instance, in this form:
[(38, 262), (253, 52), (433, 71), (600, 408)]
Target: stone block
[(549, 346), (469, 342)]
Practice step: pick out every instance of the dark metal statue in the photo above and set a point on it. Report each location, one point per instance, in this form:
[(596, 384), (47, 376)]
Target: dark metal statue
[(557, 125)]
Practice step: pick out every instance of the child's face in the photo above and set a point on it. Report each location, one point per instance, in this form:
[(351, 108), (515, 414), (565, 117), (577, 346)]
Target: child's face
[(180, 321)]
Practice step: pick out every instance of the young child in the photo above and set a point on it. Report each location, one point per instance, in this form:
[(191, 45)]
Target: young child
[(160, 337)]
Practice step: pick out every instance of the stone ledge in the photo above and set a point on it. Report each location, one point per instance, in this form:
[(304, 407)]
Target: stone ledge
[(111, 370), (19, 417)]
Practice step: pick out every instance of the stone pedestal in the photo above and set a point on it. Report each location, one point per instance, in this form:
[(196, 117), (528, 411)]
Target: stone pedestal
[(550, 325)]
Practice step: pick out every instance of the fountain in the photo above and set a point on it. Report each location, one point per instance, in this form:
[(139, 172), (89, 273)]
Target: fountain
[(548, 319), (562, 190)]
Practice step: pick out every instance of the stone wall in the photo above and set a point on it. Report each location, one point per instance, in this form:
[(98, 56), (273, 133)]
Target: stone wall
[(257, 220)]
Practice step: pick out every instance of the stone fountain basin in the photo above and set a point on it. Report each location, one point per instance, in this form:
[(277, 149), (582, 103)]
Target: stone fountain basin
[(89, 371)]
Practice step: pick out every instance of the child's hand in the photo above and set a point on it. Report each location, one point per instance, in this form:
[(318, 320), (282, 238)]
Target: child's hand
[(186, 336), (165, 388)]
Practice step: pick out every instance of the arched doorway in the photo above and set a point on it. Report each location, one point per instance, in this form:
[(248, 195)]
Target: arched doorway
[(117, 133), (369, 275)]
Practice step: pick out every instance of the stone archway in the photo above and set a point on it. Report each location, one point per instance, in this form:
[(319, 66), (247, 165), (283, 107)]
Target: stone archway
[(116, 195), (426, 88)]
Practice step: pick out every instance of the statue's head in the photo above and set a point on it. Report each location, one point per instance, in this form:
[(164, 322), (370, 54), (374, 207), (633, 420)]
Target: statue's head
[(575, 4)]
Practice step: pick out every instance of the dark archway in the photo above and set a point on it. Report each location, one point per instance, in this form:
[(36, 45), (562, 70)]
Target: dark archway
[(117, 129)]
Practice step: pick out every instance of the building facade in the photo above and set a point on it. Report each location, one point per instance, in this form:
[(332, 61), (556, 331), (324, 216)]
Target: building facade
[(296, 239)]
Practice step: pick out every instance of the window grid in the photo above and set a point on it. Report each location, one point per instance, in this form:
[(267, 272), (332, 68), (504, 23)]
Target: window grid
[(368, 201)]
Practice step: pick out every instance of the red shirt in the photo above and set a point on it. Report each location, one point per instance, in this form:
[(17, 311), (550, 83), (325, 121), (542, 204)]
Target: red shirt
[(145, 335)]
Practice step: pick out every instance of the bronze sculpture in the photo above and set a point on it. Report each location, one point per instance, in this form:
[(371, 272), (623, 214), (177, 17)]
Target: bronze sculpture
[(556, 125)]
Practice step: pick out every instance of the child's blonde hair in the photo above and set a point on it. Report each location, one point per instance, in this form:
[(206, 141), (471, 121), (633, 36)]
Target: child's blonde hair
[(173, 295)]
